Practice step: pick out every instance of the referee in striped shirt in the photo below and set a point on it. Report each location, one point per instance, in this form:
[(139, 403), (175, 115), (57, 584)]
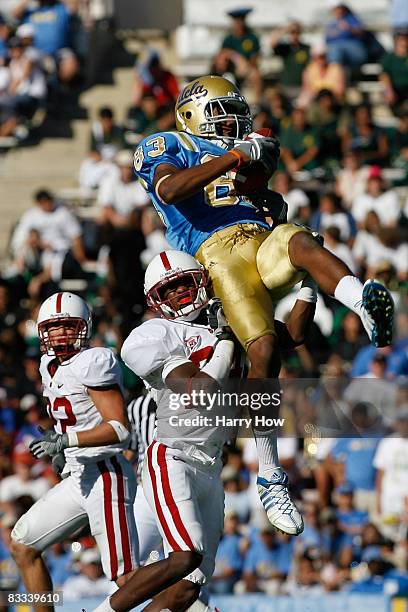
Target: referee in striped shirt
[(142, 417)]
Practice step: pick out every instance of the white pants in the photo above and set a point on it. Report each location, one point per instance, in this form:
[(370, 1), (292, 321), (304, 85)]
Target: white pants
[(101, 493), (188, 504), (148, 533)]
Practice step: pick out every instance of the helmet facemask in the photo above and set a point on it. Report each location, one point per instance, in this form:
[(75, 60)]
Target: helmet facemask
[(195, 296), (70, 341), (228, 119)]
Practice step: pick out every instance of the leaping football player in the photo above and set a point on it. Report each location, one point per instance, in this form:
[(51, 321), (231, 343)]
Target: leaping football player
[(189, 175), (83, 388), (181, 473)]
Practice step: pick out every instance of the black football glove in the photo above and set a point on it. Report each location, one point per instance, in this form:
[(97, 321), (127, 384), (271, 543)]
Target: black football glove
[(271, 204), (49, 445), (217, 320)]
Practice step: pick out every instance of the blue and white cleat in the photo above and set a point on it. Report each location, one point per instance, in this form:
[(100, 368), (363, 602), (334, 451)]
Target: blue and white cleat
[(280, 509), (377, 312)]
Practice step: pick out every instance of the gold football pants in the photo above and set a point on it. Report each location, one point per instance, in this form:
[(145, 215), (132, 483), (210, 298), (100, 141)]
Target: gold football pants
[(249, 267)]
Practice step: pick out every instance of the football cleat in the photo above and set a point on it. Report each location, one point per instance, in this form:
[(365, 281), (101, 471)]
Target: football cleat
[(377, 312), (280, 509)]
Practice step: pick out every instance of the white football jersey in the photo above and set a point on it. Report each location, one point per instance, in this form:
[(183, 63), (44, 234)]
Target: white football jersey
[(152, 350), (69, 404)]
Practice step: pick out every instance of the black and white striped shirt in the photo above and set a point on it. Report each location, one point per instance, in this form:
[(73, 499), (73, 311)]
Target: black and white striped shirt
[(142, 417)]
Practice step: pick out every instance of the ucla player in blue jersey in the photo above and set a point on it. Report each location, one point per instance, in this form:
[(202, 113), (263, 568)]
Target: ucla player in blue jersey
[(189, 176)]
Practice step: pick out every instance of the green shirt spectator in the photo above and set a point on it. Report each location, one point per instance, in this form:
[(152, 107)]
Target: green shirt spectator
[(395, 71), (246, 45), (241, 39), (299, 142), (286, 44)]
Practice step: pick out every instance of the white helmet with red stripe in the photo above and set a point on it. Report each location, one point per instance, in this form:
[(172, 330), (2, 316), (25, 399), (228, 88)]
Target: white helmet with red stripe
[(171, 268), (69, 313)]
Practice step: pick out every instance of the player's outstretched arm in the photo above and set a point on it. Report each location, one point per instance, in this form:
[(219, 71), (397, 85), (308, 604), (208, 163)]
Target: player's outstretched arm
[(173, 185)]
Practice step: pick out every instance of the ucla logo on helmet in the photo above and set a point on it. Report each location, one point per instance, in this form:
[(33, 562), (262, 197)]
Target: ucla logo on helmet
[(197, 90)]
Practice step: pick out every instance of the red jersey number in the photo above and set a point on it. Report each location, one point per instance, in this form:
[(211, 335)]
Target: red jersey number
[(61, 411)]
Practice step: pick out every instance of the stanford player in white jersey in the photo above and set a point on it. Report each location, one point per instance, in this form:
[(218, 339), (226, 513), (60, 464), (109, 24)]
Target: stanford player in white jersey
[(83, 387), (181, 473)]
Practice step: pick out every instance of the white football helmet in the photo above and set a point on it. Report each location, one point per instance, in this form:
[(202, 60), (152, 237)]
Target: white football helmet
[(169, 267), (72, 312)]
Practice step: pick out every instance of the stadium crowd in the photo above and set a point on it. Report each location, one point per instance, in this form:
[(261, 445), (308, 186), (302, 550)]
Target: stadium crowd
[(342, 173)]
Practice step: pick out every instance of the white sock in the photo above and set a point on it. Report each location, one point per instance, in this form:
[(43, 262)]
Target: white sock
[(104, 606), (267, 447), (349, 292)]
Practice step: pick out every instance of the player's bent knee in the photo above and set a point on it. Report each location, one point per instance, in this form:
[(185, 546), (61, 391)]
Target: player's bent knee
[(263, 348), (22, 554), (185, 594), (184, 562)]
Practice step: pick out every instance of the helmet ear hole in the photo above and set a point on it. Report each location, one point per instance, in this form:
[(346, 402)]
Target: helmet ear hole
[(188, 115)]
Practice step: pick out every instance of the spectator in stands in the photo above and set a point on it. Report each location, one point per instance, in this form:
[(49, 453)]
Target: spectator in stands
[(334, 243), (377, 198), (121, 194), (351, 520), (229, 559), (394, 76), (8, 115), (351, 181), (299, 142), (91, 581), (144, 119), (382, 576), (243, 45), (9, 574), (60, 232), (278, 107), (296, 198), (363, 137), (236, 494), (319, 74), (27, 87), (152, 78), (51, 20), (350, 338), (121, 199), (331, 214), (106, 136), (22, 481), (153, 232), (60, 563), (391, 462), (324, 115), (356, 458), (370, 248), (286, 43), (344, 37), (261, 572), (222, 65)]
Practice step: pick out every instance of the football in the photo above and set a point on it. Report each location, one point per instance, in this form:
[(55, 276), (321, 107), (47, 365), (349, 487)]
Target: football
[(253, 177)]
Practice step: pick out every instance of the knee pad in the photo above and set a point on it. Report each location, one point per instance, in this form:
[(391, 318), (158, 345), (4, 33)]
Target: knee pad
[(20, 530)]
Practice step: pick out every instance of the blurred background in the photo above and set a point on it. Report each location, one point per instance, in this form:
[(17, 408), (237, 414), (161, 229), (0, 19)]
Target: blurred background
[(81, 82)]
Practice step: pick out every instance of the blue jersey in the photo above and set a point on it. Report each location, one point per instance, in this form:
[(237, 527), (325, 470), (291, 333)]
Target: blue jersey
[(190, 222)]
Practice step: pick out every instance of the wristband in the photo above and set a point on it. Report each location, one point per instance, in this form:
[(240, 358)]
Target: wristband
[(120, 430), (72, 439), (220, 363), (239, 158), (307, 294)]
